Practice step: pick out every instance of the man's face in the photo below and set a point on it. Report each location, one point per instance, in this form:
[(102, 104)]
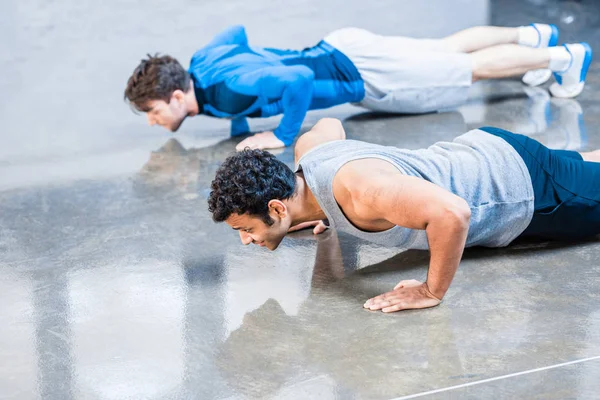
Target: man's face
[(253, 229), (168, 115)]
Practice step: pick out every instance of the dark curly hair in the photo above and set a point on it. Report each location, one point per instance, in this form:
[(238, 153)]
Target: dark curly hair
[(155, 78), (246, 182)]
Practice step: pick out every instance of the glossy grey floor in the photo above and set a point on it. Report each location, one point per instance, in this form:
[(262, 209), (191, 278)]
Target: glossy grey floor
[(115, 283)]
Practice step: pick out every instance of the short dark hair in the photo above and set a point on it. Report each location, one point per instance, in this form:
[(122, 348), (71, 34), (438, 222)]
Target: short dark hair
[(155, 78), (246, 182)]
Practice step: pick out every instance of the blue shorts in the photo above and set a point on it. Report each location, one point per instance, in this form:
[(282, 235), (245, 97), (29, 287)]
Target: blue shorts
[(566, 189)]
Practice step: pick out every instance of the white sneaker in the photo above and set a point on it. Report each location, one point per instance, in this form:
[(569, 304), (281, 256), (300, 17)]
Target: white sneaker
[(548, 38), (570, 82)]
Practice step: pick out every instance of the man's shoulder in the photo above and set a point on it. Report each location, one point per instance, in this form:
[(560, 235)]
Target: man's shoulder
[(363, 178), (352, 175), (226, 61), (353, 190)]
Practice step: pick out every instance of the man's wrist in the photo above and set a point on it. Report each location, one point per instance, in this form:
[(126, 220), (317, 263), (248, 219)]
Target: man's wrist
[(431, 291)]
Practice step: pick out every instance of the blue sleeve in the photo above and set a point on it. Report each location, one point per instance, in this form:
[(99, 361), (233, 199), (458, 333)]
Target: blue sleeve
[(233, 35), (239, 126), (292, 84)]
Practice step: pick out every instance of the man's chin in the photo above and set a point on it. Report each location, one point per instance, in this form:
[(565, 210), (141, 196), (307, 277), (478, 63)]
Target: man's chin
[(273, 246), (176, 126)]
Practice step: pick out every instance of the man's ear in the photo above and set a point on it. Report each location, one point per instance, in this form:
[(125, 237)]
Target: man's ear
[(178, 96), (277, 207)]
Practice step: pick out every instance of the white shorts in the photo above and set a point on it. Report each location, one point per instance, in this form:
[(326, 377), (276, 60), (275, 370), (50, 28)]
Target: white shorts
[(405, 75)]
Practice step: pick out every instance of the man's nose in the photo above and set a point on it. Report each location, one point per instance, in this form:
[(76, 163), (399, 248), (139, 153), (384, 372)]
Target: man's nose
[(245, 238)]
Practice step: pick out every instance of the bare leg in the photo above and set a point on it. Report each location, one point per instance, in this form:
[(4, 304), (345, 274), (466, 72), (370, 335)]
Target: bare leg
[(481, 37), (593, 156), (507, 60)]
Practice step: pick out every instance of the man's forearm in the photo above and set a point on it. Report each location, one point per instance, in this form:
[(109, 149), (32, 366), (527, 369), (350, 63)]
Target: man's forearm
[(447, 237), (296, 100)]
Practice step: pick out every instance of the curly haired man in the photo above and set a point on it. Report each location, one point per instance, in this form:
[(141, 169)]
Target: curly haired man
[(485, 188)]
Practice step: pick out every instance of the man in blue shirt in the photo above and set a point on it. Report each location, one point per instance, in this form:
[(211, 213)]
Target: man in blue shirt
[(228, 78)]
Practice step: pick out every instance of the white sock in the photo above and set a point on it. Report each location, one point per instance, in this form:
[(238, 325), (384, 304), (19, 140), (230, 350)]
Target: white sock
[(528, 36), (560, 59)]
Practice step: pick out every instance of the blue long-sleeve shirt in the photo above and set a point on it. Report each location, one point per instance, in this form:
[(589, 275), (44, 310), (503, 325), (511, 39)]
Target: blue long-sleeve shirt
[(233, 80)]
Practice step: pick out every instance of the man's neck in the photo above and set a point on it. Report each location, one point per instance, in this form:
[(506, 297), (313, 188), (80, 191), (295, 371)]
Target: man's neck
[(192, 102), (305, 206)]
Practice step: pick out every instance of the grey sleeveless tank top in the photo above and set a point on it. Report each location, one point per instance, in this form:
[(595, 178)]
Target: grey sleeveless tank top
[(481, 168)]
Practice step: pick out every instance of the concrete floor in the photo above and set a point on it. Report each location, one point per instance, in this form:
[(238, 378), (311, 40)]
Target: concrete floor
[(115, 283)]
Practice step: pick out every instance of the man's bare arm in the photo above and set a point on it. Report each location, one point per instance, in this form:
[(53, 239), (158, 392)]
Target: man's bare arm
[(379, 192)]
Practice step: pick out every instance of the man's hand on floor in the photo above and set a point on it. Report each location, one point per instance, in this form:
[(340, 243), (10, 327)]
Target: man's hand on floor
[(320, 227), (262, 141), (406, 295)]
